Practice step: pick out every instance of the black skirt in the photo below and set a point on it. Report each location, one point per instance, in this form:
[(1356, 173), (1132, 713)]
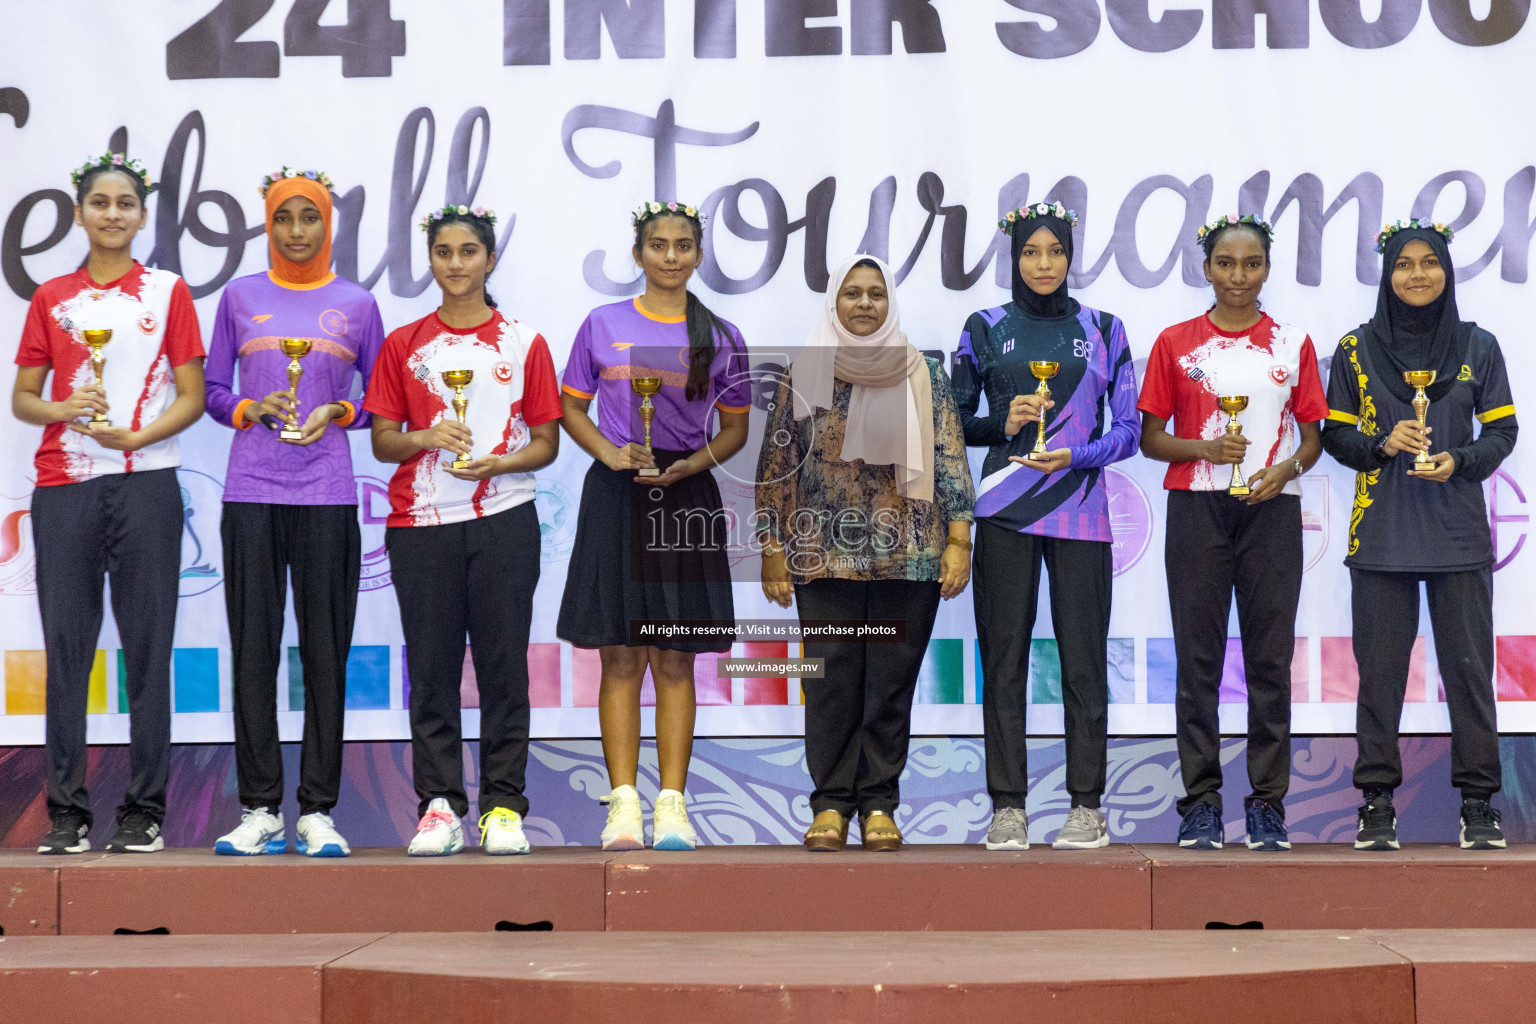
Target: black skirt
[(646, 554)]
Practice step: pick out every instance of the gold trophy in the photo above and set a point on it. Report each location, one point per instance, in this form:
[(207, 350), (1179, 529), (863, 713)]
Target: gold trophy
[(1421, 379), (295, 349), (96, 339), (645, 387), (459, 380), (1043, 372), (1232, 405)]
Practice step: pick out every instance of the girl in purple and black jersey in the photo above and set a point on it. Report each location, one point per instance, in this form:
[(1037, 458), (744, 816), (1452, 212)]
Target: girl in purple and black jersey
[(1053, 510)]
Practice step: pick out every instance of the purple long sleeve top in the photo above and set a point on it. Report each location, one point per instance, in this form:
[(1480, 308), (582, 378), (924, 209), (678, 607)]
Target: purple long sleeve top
[(345, 330)]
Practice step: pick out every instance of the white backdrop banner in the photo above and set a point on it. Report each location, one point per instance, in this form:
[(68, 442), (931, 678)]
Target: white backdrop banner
[(806, 129)]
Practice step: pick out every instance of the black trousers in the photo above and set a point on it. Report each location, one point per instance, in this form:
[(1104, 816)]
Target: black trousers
[(858, 718), (1386, 612), (322, 546), (1216, 545), (1005, 582), (476, 577), (125, 527)]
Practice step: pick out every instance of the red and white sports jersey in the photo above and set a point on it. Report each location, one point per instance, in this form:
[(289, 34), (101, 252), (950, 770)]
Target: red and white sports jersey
[(1195, 362), (514, 388), (154, 328)]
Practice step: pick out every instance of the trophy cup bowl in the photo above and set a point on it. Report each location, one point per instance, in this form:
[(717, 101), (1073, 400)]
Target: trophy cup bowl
[(645, 387), (1421, 379), (459, 380), (1232, 405), (96, 339), (1043, 371), (295, 349)]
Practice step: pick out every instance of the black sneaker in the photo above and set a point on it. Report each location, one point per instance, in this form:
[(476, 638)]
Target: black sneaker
[(67, 834), (1480, 826), (1378, 825), (137, 832)]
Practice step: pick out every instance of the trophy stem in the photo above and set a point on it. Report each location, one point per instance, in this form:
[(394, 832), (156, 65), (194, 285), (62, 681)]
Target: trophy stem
[(1422, 462), (460, 407), (1038, 451), (1238, 487), (98, 365), (292, 432), (647, 413)]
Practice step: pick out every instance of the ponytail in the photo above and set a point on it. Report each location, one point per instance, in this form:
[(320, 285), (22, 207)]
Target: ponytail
[(703, 325)]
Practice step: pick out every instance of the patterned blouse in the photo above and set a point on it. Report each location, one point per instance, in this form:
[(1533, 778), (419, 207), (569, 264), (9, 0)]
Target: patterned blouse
[(844, 520)]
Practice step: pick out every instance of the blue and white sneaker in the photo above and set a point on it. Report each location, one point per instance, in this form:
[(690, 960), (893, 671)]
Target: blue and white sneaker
[(1266, 828), (260, 831), (670, 829), (1201, 828), (317, 836), (440, 833)]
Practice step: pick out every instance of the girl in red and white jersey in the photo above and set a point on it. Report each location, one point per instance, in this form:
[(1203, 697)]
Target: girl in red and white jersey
[(107, 502), (1223, 539), (464, 539)]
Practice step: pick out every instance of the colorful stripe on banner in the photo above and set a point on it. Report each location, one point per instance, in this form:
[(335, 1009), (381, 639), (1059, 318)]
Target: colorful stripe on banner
[(941, 678), (1341, 676), (26, 674), (766, 690), (195, 679), (367, 679), (1515, 678), (1162, 672)]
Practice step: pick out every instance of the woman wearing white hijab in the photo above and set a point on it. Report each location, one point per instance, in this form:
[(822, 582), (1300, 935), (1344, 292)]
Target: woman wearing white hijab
[(864, 496)]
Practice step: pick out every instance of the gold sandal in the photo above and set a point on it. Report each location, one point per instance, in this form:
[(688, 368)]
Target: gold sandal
[(879, 832), (828, 833)]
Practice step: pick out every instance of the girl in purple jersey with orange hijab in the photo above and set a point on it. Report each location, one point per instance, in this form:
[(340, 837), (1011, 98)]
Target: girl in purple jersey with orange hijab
[(291, 505)]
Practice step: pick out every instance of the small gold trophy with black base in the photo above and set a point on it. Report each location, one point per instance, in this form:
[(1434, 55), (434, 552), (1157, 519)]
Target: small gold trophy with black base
[(459, 380), (645, 387), (1232, 405), (295, 349), (1421, 379), (96, 339), (1043, 370)]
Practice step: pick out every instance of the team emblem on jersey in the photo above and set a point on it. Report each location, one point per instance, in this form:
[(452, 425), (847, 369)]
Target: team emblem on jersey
[(333, 322), (1279, 374), (148, 324), (1466, 372), (261, 318), (503, 372), (421, 372)]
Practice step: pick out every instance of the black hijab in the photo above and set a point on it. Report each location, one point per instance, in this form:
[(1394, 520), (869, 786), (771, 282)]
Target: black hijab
[(1405, 337), (1058, 303)]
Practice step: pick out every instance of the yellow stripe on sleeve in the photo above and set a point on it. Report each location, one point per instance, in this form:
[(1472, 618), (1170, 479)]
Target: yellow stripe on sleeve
[(1495, 414), (1342, 417)]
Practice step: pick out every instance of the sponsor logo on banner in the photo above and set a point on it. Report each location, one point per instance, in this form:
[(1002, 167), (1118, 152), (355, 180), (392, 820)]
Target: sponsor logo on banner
[(1507, 526), (18, 559), (557, 520), (1130, 520), (373, 513), (202, 499), (1314, 520)]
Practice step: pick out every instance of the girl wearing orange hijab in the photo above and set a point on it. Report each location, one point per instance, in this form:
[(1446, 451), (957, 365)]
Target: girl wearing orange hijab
[(290, 504)]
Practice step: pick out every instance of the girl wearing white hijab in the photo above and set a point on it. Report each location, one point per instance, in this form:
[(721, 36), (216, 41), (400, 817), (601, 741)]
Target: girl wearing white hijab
[(864, 496)]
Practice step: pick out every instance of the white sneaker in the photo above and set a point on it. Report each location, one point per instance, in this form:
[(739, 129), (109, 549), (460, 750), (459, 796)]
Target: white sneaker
[(318, 836), (501, 832), (626, 825), (669, 823), (440, 832), (259, 831)]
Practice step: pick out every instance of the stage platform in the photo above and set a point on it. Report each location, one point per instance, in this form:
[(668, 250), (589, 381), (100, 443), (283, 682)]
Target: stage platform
[(766, 888), (1387, 977)]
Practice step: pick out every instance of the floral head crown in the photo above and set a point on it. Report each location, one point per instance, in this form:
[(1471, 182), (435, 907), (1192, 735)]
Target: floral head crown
[(1412, 222), (1012, 218), (645, 211), (117, 162), (479, 212), (1228, 220), (289, 172)]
